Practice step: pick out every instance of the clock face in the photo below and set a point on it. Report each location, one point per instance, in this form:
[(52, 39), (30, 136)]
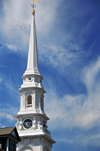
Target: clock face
[(27, 123)]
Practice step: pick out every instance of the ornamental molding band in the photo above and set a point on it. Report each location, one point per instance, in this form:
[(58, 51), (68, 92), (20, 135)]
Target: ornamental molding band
[(31, 119)]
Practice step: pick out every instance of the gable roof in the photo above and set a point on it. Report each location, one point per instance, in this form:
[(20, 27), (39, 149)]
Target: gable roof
[(10, 132), (7, 130)]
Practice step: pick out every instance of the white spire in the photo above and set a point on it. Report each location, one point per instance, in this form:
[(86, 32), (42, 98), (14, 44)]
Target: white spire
[(32, 64), (31, 119)]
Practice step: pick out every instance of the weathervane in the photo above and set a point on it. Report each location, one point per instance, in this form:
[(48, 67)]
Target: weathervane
[(32, 3)]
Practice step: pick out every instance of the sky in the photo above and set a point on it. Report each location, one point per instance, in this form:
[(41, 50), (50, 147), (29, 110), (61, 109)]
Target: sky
[(68, 38)]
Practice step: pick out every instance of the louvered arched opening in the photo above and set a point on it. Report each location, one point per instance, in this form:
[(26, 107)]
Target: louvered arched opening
[(29, 101)]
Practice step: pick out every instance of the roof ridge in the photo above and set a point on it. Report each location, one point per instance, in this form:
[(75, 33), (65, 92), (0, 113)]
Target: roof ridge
[(6, 127)]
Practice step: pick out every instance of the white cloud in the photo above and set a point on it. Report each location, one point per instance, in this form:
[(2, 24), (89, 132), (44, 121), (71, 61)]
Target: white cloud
[(58, 56), (16, 28), (86, 118), (81, 138), (69, 112), (77, 111), (8, 108), (3, 126), (9, 117), (12, 47), (90, 74), (15, 23)]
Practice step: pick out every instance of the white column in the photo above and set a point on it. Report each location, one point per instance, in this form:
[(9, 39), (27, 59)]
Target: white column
[(0, 144), (21, 102), (41, 147), (24, 101), (34, 122), (39, 101), (43, 104), (7, 148), (33, 101)]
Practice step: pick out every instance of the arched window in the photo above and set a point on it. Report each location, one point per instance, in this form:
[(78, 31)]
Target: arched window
[(43, 124), (29, 101), (26, 149), (40, 81)]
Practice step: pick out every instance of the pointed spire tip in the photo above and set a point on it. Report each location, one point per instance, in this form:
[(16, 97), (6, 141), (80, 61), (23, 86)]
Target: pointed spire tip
[(32, 3)]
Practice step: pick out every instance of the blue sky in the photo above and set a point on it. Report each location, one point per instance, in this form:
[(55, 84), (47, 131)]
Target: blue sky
[(68, 34)]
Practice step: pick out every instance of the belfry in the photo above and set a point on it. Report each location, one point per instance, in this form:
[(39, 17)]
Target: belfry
[(31, 119)]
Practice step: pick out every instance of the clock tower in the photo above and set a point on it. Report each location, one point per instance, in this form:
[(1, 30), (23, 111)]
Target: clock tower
[(31, 119)]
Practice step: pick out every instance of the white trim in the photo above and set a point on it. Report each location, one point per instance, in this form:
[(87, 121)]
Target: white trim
[(23, 146)]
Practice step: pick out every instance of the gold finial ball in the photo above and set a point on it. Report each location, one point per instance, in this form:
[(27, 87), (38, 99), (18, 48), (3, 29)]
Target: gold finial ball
[(33, 11)]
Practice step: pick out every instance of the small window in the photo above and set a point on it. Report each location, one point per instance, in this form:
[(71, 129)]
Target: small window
[(29, 101), (29, 78)]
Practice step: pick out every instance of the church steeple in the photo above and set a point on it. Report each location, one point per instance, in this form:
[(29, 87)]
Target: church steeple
[(31, 119), (32, 63)]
